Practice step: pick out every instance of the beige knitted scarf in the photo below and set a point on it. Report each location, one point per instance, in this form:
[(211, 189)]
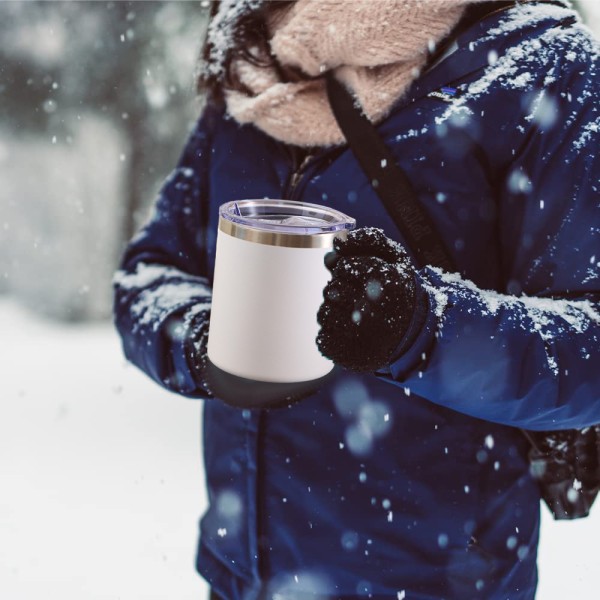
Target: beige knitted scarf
[(376, 47)]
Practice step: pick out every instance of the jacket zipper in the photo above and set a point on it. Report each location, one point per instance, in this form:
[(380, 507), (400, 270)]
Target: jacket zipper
[(298, 170), (262, 547)]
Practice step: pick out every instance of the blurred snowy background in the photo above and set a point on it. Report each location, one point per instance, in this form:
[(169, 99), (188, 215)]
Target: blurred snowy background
[(101, 482)]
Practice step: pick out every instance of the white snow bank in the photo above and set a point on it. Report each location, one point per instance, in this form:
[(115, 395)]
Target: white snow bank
[(100, 470)]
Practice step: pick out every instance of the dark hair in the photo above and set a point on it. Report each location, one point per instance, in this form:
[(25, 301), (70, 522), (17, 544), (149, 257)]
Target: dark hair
[(249, 31)]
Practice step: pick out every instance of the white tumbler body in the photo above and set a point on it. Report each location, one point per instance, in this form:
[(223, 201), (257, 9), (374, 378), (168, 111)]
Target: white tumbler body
[(263, 322), (267, 289)]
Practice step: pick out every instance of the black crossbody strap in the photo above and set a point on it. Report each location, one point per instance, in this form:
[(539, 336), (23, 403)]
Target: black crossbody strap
[(388, 180)]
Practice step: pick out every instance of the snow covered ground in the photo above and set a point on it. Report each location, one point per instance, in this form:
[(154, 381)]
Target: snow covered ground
[(101, 482)]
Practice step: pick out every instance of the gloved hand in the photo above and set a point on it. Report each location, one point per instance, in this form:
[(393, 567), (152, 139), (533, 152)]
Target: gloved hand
[(370, 301), (196, 339)]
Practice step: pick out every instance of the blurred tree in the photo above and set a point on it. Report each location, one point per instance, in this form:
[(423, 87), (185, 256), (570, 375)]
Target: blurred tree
[(129, 61), (96, 99)]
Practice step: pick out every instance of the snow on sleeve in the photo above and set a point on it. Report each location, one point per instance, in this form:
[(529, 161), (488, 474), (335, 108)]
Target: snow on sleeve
[(588, 132), (546, 317), (163, 291), (153, 306), (144, 276)]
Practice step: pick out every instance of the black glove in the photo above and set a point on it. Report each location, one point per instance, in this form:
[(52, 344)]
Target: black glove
[(196, 338), (370, 301)]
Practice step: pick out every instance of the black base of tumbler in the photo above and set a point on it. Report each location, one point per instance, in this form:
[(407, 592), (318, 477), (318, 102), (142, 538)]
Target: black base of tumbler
[(240, 392)]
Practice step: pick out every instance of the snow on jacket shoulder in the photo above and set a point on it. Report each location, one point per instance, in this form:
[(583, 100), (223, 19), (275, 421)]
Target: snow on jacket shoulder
[(531, 358), (413, 481)]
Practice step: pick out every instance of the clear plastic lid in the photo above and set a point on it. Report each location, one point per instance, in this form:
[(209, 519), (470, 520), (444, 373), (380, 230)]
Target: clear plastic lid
[(286, 216)]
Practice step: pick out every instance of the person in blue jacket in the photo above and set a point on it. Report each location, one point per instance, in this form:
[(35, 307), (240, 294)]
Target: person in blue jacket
[(407, 475)]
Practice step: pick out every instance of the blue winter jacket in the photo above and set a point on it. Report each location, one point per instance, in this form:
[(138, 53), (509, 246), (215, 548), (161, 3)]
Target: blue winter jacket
[(412, 482)]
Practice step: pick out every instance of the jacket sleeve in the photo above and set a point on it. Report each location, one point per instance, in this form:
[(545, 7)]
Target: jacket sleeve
[(530, 357), (161, 287)]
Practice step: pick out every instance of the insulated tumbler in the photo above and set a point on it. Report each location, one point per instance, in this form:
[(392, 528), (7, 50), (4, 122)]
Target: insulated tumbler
[(268, 286)]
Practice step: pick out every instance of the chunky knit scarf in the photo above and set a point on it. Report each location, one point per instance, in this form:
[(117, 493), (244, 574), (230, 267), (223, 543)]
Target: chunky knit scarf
[(376, 47)]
